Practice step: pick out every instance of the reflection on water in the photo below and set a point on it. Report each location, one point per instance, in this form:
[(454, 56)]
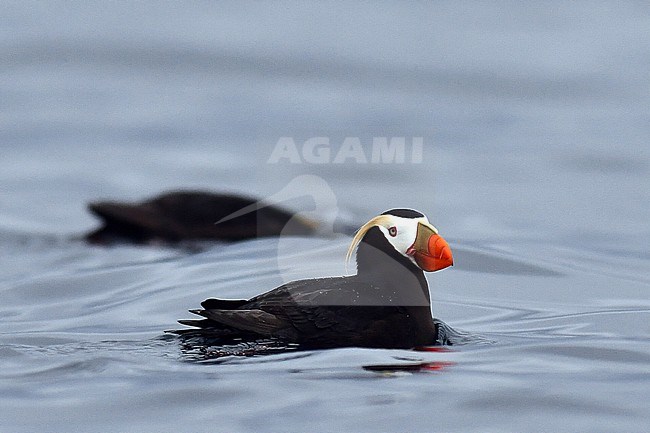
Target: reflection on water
[(202, 349), (412, 365), (409, 367)]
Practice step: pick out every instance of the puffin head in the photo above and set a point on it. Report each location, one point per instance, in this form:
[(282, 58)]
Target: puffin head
[(412, 235)]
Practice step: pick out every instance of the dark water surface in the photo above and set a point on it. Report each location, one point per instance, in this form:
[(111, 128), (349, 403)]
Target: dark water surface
[(536, 169)]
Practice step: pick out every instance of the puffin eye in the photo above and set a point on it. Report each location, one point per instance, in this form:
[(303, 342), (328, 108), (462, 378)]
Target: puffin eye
[(392, 231)]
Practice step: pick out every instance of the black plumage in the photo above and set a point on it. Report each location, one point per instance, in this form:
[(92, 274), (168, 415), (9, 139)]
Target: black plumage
[(404, 213), (386, 304), (191, 215)]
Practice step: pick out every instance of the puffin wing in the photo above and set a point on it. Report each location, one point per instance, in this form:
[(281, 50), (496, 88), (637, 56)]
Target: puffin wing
[(256, 321), (282, 312), (302, 310), (309, 293), (336, 304), (210, 325)]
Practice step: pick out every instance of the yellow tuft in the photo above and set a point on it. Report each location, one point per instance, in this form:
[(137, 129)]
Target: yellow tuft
[(381, 220)]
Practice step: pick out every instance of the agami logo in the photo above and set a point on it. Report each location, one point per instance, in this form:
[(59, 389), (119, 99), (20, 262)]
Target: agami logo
[(319, 150)]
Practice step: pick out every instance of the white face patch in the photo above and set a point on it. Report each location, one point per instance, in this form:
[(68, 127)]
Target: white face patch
[(399, 231), (405, 231)]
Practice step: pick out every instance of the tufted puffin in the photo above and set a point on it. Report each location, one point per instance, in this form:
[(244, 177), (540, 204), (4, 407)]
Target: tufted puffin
[(191, 215), (385, 305)]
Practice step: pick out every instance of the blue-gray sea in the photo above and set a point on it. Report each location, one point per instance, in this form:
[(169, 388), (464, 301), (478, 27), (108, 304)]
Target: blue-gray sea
[(535, 166)]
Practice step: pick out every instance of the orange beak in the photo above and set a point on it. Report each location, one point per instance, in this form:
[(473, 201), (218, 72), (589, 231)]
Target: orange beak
[(430, 251)]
